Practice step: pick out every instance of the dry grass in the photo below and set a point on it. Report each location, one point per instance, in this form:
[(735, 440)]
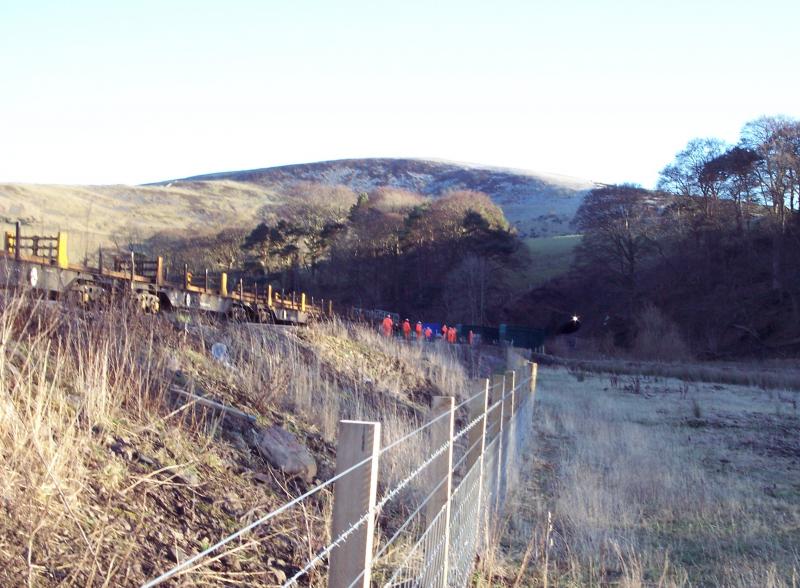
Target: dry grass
[(775, 375), (108, 215), (660, 483), (106, 481)]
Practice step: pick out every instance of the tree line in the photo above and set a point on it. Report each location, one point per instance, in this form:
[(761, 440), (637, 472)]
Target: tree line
[(447, 258), (716, 246)]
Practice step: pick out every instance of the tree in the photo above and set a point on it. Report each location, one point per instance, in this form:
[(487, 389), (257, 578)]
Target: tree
[(776, 142), (685, 177), (620, 228), (273, 248), (734, 171)]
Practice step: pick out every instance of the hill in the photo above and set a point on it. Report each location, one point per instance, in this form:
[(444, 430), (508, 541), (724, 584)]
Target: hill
[(537, 205)]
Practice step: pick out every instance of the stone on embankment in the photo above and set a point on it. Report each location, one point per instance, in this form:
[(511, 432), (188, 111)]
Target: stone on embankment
[(282, 450)]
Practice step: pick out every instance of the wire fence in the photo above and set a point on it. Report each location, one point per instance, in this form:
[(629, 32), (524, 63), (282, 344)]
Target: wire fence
[(416, 512)]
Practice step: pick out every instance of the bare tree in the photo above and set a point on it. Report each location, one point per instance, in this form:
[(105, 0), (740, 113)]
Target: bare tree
[(685, 177), (620, 227), (776, 141)]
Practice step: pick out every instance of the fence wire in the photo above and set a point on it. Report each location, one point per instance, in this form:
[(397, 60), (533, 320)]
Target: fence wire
[(427, 545)]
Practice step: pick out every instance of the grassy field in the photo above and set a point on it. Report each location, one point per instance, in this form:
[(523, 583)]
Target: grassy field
[(655, 482), (552, 256)]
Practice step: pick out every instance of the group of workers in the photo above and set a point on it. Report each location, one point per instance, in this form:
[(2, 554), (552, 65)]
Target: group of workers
[(448, 334)]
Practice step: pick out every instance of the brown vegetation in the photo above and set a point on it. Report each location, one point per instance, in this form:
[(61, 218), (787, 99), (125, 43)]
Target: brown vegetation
[(107, 479), (660, 484)]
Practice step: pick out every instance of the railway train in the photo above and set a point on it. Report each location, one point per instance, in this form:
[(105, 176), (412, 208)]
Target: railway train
[(40, 264)]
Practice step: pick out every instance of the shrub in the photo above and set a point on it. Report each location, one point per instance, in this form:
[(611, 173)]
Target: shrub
[(658, 338)]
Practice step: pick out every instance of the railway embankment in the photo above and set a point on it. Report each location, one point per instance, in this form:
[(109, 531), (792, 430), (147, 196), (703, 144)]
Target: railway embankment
[(129, 442)]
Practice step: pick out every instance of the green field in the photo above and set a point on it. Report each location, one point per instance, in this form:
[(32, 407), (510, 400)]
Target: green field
[(550, 257)]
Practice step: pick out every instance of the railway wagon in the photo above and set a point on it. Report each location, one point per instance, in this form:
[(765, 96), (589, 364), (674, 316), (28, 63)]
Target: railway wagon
[(40, 264)]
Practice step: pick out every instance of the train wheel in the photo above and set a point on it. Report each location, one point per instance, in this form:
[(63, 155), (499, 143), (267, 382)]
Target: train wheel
[(146, 302), (78, 297), (238, 314)]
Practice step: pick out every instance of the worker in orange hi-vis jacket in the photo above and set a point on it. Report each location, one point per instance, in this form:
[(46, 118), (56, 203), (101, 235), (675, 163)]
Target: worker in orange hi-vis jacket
[(418, 330), (444, 331), (451, 334), (406, 329), (428, 333), (387, 326)]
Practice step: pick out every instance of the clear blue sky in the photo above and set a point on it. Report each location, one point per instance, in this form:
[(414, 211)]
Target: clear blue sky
[(131, 92)]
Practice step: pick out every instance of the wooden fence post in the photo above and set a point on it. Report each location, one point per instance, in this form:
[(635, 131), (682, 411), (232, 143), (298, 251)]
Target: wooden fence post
[(509, 431), (477, 441), (477, 435), (354, 496), (511, 382), (498, 385), (442, 432)]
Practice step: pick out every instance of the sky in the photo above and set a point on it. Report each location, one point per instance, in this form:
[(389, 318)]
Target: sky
[(97, 92)]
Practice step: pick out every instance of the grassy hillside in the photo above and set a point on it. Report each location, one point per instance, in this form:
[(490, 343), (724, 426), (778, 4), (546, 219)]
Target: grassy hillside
[(550, 257), (105, 215), (538, 205)]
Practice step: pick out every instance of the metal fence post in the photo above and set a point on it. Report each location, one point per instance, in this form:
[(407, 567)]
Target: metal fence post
[(441, 469), (354, 495)]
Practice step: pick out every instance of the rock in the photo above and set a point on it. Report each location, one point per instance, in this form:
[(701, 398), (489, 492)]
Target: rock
[(232, 502), (282, 450), (187, 477), (219, 351), (237, 441), (143, 459), (123, 450), (178, 554), (279, 576)]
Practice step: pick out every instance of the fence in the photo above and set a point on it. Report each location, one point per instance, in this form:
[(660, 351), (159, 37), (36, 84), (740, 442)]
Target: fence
[(423, 525)]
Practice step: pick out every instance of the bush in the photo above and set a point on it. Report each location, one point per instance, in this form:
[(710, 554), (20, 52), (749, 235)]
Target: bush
[(658, 338)]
